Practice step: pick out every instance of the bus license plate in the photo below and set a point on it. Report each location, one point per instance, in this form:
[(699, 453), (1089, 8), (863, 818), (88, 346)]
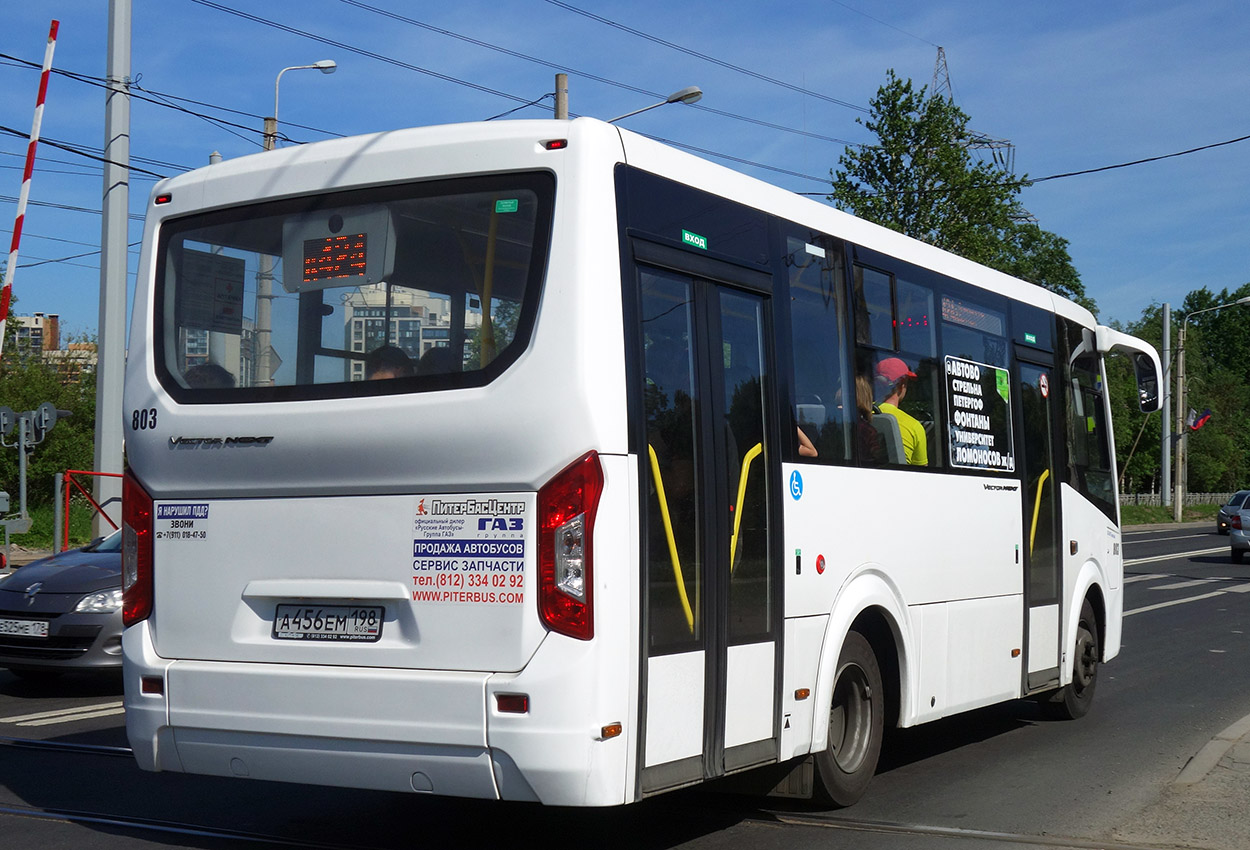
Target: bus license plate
[(328, 622), (24, 628)]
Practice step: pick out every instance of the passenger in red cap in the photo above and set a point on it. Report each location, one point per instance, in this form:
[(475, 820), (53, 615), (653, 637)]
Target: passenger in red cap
[(893, 376)]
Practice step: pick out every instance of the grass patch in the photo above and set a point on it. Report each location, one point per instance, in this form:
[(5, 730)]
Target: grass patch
[(43, 535), (1148, 515)]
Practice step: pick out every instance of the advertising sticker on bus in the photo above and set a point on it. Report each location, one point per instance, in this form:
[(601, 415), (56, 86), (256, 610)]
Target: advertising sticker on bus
[(471, 550), (979, 416)]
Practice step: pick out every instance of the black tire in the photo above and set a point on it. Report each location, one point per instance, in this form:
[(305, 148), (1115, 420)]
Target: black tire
[(1236, 554), (856, 724), (1073, 701)]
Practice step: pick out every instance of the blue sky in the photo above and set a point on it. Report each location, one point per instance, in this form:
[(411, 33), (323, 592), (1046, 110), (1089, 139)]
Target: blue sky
[(1074, 85)]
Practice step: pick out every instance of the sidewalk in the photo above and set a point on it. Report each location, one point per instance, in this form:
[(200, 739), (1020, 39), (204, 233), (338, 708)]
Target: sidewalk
[(1206, 804)]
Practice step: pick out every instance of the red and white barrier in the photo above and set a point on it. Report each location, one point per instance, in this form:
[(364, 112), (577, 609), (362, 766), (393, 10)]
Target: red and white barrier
[(11, 268)]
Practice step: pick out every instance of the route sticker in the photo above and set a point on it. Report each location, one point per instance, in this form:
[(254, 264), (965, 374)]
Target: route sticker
[(184, 521), (471, 551)]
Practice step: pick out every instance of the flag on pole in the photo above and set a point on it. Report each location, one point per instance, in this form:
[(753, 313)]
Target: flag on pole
[(1199, 421)]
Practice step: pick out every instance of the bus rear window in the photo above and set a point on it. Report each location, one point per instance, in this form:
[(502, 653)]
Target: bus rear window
[(390, 289)]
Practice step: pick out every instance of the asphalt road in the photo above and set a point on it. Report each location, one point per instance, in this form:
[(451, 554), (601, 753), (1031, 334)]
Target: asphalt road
[(999, 777)]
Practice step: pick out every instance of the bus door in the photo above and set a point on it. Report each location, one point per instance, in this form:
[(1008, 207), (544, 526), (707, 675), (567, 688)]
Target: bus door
[(1038, 391), (710, 586)]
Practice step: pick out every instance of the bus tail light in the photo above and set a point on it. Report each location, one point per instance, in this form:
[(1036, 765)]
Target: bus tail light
[(566, 521), (136, 552)]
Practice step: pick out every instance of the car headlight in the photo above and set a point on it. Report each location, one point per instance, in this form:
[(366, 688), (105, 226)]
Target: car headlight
[(102, 602)]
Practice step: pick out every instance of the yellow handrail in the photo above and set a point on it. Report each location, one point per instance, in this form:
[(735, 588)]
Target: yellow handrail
[(754, 452), (1037, 504), (486, 333), (672, 542)]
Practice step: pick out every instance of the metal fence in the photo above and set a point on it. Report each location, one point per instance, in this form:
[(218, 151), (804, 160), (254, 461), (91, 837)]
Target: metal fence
[(1155, 500)]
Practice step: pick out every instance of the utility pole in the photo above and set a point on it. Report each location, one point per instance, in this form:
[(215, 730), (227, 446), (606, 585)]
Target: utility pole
[(1178, 500), (562, 97), (1165, 438), (111, 339)]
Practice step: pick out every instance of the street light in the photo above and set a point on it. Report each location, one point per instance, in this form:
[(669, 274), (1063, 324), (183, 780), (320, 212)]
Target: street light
[(325, 66), (1182, 431), (690, 94)]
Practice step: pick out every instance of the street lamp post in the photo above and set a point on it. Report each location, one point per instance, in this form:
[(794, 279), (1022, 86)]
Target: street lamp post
[(325, 66), (264, 276), (1182, 429), (690, 94)]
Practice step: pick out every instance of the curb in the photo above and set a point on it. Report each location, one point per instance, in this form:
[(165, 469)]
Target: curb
[(1205, 760)]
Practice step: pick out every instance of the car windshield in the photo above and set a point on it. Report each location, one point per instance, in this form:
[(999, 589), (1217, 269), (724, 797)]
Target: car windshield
[(111, 543), (1238, 498)]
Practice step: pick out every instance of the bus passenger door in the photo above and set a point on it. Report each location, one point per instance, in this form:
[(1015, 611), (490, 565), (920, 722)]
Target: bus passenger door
[(1041, 526), (710, 586)]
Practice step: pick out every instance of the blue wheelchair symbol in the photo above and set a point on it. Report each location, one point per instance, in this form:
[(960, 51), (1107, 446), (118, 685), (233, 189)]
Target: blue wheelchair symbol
[(796, 485)]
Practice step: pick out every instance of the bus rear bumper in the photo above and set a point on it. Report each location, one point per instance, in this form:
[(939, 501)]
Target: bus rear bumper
[(383, 729), (343, 726)]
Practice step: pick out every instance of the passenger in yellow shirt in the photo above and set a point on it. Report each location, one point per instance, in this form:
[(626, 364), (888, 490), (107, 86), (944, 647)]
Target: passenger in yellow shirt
[(893, 376)]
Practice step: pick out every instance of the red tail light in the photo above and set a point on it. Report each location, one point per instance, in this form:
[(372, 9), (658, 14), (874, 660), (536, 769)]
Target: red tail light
[(1237, 521), (136, 552), (566, 522)]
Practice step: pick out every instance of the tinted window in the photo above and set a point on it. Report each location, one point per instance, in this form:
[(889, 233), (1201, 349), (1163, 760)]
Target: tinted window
[(404, 287), (823, 405)]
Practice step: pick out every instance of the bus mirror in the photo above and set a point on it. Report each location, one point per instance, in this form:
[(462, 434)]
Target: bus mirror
[(1147, 383)]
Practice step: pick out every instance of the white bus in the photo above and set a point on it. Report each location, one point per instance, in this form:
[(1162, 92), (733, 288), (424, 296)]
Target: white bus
[(537, 460)]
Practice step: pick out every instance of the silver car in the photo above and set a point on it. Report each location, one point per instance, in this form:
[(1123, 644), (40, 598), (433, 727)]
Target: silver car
[(1224, 517), (64, 612), (1239, 535)]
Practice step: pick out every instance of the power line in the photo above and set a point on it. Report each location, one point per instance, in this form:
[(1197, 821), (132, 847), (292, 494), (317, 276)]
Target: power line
[(1138, 161), (578, 73), (67, 207), (359, 51), (705, 57), (65, 146), (884, 23), (133, 86), (409, 66)]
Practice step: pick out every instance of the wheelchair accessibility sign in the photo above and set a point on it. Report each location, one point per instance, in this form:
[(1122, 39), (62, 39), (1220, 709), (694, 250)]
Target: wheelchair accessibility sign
[(796, 485)]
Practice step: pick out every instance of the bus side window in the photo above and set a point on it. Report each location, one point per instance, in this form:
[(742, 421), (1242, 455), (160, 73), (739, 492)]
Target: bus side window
[(1091, 468), (824, 401)]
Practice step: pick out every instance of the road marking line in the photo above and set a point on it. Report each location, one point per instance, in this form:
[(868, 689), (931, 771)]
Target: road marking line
[(22, 718), (1181, 585), (1155, 558), (1147, 577), (1174, 602), (70, 718)]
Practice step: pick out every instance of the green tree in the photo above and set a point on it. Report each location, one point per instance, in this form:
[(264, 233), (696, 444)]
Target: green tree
[(920, 179), (25, 383)]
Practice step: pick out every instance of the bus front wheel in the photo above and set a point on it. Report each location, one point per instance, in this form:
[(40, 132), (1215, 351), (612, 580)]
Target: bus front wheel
[(856, 723), (1073, 700)]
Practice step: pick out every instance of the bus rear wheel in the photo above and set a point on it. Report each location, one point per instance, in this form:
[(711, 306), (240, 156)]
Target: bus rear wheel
[(1073, 701), (856, 723)]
